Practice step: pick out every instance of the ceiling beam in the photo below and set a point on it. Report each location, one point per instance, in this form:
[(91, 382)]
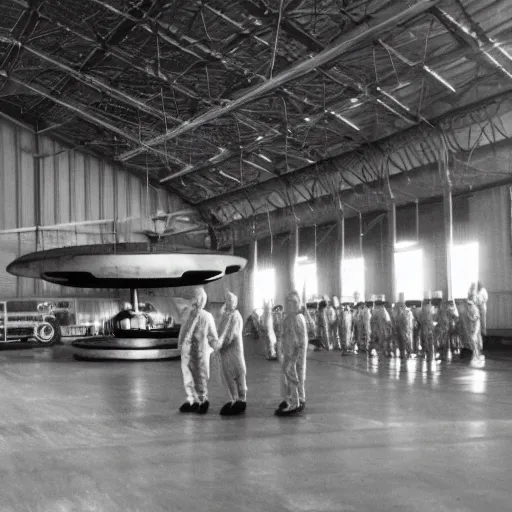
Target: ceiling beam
[(355, 37), (223, 156), (150, 71), (370, 199), (107, 49), (183, 43), (297, 32), (347, 160), (292, 28), (478, 41), (29, 21), (92, 81), (115, 36), (80, 111)]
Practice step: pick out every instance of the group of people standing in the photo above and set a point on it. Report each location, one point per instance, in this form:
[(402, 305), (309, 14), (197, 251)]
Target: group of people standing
[(432, 328), (200, 336)]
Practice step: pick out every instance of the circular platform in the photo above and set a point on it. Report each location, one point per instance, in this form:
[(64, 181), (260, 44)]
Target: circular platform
[(131, 349), (126, 266)]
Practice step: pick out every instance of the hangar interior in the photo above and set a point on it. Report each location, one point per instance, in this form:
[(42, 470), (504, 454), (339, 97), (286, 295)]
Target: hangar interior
[(337, 146)]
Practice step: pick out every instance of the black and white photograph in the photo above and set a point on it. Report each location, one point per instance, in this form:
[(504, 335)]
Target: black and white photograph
[(255, 255)]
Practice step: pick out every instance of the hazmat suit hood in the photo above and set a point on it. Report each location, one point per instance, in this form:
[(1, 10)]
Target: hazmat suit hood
[(200, 298), (335, 302), (231, 301), (293, 303)]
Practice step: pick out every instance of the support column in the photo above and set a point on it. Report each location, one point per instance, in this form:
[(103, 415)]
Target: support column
[(391, 284), (253, 268), (448, 231), (293, 254), (340, 253)]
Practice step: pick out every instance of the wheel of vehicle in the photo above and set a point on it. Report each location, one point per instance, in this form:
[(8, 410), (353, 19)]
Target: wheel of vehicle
[(48, 333)]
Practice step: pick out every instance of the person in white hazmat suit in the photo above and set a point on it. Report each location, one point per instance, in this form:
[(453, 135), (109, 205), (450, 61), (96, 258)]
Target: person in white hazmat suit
[(481, 300), (294, 351), (231, 354), (196, 337), (267, 331), (332, 317)]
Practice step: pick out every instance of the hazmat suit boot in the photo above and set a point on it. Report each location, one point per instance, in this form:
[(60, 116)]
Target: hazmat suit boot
[(226, 409), (233, 408), (231, 355), (188, 407), (240, 406), (203, 408), (197, 337), (290, 410)]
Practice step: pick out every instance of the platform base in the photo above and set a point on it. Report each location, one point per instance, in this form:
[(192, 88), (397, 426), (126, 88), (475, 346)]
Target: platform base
[(126, 349)]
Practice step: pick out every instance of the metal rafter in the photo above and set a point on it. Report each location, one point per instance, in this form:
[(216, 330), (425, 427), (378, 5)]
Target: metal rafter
[(296, 71), (348, 160), (300, 34), (116, 35), (478, 42), (29, 20), (94, 82), (183, 43), (150, 71), (80, 111)]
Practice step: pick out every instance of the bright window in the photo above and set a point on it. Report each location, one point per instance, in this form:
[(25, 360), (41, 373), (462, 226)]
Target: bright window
[(409, 274), (264, 286), (305, 272), (352, 279), (464, 268)]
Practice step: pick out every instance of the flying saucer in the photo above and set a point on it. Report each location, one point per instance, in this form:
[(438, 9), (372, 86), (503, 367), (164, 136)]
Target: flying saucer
[(127, 265)]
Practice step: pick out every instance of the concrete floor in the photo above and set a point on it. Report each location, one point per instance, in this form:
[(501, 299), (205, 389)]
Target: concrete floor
[(79, 436)]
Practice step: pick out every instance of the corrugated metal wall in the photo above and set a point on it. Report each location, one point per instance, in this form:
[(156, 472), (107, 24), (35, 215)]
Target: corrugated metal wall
[(490, 213), (44, 183)]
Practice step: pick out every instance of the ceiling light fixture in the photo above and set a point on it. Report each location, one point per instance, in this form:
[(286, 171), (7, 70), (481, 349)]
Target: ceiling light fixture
[(439, 78), (497, 64), (503, 51), (226, 175), (344, 120), (394, 111), (392, 98), (264, 157)]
